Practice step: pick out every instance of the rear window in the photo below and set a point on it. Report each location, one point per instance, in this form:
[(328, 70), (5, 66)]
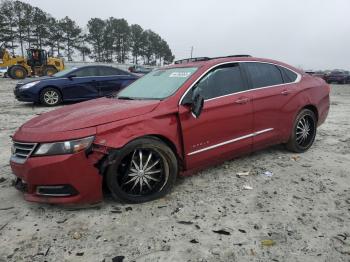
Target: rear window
[(288, 75), (263, 74)]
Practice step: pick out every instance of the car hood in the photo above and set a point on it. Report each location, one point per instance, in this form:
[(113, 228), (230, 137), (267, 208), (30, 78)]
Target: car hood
[(34, 79), (90, 114)]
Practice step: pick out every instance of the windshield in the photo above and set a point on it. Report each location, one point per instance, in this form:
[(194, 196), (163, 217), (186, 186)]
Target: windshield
[(64, 72), (157, 84)]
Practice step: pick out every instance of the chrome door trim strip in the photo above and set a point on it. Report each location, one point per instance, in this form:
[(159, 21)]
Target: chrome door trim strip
[(230, 141), (297, 80)]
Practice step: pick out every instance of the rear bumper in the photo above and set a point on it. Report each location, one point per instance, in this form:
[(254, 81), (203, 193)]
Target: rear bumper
[(63, 179)]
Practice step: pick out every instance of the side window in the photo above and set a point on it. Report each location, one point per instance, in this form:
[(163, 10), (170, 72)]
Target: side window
[(87, 71), (263, 74), (288, 76), (109, 71), (221, 81)]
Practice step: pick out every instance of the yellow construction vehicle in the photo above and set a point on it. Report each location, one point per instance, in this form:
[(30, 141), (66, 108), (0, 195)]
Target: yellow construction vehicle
[(37, 63)]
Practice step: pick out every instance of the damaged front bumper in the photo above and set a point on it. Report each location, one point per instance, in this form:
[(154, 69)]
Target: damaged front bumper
[(60, 179)]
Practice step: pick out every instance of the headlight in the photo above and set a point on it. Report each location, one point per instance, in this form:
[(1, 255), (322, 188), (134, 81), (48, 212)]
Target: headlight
[(29, 85), (66, 147)]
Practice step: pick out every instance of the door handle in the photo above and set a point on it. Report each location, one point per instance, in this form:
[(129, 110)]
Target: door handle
[(242, 101), (285, 92)]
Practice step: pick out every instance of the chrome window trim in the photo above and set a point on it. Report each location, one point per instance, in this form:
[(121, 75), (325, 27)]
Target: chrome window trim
[(230, 141), (297, 80)]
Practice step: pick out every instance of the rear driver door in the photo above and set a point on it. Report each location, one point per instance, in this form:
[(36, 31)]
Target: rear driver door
[(271, 93)]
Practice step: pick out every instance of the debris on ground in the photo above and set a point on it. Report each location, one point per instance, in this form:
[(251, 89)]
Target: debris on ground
[(185, 222), (6, 208), (295, 158), (268, 242), (267, 174), (77, 235), (222, 232), (341, 243), (241, 174), (118, 259), (247, 187)]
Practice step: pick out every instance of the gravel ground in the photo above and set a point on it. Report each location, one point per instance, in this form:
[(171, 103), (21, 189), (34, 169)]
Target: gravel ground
[(300, 213)]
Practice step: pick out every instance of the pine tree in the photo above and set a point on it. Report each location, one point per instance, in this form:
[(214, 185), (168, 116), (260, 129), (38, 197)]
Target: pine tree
[(137, 40), (96, 28), (71, 32)]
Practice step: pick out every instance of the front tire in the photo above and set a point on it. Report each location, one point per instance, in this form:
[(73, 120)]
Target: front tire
[(18, 72), (144, 170), (50, 97), (304, 132)]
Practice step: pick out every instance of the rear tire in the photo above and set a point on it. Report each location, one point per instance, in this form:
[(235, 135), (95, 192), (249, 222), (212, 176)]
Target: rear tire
[(17, 72), (50, 97), (144, 170), (50, 70), (304, 132)]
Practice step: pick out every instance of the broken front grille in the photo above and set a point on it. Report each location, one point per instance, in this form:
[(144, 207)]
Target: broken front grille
[(21, 151)]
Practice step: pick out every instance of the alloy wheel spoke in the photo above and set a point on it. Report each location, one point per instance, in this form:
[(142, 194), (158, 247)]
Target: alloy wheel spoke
[(132, 174), (146, 182), (141, 183), (153, 172), (140, 155), (300, 137), (148, 159), (153, 165), (133, 170), (135, 183), (152, 178), (132, 179), (137, 167)]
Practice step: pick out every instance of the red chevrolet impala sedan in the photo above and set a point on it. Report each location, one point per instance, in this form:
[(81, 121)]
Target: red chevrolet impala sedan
[(173, 121)]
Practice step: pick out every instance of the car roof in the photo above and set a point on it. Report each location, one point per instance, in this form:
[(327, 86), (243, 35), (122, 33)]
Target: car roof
[(218, 60), (87, 66)]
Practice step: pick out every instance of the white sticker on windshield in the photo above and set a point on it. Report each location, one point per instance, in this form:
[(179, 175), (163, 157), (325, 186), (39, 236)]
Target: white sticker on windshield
[(180, 74)]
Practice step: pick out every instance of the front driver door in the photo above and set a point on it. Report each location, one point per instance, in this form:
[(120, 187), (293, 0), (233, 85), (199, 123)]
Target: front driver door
[(224, 128), (82, 85)]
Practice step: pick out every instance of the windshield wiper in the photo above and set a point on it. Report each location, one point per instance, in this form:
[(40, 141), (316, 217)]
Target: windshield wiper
[(125, 98)]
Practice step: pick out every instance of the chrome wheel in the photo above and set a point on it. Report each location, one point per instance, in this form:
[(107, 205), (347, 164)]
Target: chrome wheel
[(51, 97), (143, 172), (305, 131)]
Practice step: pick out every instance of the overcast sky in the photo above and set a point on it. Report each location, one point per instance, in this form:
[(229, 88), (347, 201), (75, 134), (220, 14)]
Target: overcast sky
[(313, 34)]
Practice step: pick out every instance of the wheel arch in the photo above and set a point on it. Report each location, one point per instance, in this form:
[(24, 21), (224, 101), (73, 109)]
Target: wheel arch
[(103, 164), (313, 108)]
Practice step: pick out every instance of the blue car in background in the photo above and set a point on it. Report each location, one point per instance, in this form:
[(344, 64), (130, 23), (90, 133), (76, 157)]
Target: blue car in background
[(74, 84)]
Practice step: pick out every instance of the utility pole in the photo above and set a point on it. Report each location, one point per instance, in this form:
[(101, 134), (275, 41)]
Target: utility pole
[(191, 51)]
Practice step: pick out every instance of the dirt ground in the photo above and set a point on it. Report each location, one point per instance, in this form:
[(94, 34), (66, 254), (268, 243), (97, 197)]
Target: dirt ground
[(300, 213)]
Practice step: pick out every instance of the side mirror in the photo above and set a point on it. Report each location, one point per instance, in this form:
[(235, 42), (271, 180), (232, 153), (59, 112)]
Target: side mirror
[(70, 77), (197, 105)]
